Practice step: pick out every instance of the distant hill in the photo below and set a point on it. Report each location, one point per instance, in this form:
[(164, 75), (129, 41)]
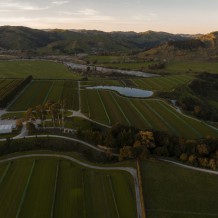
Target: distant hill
[(196, 47), (78, 41)]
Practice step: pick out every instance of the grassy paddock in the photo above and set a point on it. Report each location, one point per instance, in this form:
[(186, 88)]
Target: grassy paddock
[(38, 69), (171, 191), (191, 66)]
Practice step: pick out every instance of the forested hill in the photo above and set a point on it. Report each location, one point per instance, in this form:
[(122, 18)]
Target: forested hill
[(202, 46), (74, 41)]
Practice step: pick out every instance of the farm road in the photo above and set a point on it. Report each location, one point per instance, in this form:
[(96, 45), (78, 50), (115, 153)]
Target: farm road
[(190, 167)]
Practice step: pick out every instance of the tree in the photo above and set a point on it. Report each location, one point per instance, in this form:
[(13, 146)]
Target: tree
[(202, 149), (192, 159), (29, 114), (212, 164), (19, 123), (203, 162), (126, 152), (30, 128), (183, 157)]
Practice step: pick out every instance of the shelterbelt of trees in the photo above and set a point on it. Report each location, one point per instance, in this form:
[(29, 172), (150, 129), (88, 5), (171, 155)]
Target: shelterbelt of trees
[(134, 143), (8, 93)]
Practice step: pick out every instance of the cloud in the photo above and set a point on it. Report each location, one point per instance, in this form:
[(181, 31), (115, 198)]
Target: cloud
[(9, 6), (86, 14), (60, 2), (89, 12), (146, 17)]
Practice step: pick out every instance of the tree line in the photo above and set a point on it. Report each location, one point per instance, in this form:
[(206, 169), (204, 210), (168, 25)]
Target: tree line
[(14, 91)]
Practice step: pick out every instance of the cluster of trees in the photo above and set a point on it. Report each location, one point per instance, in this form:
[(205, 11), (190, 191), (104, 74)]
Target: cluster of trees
[(189, 44), (132, 143), (196, 98), (56, 110), (13, 92), (202, 153), (52, 144), (157, 66)]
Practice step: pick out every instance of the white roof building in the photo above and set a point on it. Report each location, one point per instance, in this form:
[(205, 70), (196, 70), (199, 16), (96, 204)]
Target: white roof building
[(6, 129)]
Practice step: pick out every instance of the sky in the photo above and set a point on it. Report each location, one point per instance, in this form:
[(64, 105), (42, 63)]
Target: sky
[(175, 16)]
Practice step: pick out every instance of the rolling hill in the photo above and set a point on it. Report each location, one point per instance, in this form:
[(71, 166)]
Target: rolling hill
[(78, 41)]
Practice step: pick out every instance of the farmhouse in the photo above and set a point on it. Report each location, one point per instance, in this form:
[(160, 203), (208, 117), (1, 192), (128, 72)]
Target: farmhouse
[(6, 129)]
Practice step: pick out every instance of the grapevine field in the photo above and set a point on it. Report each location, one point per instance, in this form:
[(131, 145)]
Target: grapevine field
[(59, 188), (109, 108), (40, 91)]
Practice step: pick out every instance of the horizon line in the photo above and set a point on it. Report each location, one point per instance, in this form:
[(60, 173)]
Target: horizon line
[(99, 30)]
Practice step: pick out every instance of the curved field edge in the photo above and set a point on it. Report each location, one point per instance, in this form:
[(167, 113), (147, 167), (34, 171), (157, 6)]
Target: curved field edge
[(75, 190)]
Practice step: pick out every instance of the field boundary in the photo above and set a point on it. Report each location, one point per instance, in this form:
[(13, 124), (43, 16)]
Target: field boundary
[(5, 173), (105, 110), (141, 190), (113, 194), (139, 112), (161, 118), (119, 107), (55, 190)]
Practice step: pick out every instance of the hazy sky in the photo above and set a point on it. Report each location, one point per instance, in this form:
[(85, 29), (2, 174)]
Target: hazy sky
[(177, 16)]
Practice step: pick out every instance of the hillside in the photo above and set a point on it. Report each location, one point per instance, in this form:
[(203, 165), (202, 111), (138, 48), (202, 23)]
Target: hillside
[(74, 41), (196, 47)]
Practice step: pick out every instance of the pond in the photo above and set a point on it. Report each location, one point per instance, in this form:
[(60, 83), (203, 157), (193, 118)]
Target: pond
[(126, 91)]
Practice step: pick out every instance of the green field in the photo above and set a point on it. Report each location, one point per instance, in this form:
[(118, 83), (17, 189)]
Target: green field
[(110, 108), (38, 69), (164, 83), (129, 66), (173, 67), (42, 187), (191, 66), (171, 191), (104, 59), (40, 91)]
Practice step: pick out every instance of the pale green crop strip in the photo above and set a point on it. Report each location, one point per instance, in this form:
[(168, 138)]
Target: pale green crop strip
[(48, 93), (120, 109), (55, 190), (164, 121), (105, 110), (25, 190), (114, 197), (194, 130), (139, 112), (5, 173)]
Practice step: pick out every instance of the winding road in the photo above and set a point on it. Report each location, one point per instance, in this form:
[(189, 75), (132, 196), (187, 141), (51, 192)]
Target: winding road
[(130, 170)]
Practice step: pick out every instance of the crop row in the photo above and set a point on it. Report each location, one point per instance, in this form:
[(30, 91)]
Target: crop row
[(63, 189), (39, 92), (70, 95), (109, 108), (165, 83)]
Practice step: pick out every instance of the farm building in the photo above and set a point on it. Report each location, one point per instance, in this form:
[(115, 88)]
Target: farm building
[(6, 129)]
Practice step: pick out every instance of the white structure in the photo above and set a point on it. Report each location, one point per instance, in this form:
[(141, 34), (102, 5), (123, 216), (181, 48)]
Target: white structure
[(6, 129)]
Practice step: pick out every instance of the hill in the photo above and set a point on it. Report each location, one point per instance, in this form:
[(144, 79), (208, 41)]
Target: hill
[(74, 41), (193, 47)]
